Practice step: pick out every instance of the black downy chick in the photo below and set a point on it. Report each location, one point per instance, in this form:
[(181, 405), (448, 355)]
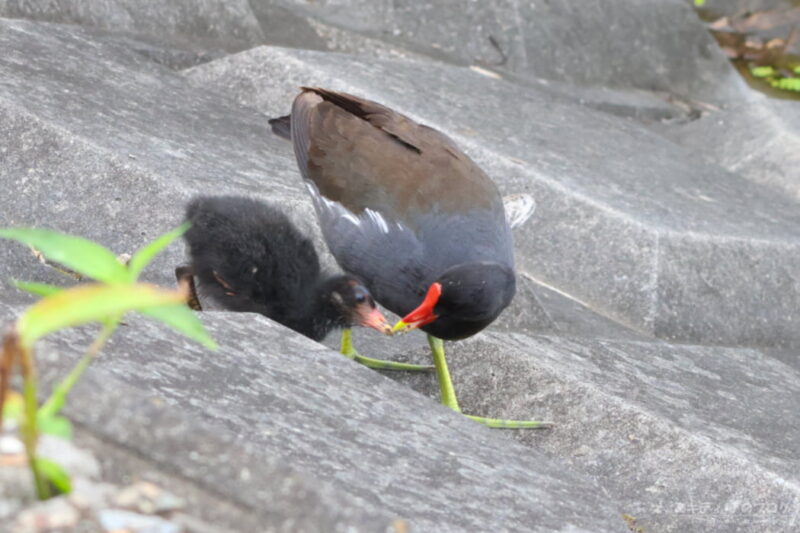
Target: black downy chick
[(247, 256)]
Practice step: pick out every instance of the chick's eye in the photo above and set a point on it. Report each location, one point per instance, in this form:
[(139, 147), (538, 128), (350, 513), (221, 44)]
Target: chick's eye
[(360, 296)]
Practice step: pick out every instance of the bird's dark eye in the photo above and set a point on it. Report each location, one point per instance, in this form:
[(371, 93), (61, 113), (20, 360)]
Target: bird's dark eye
[(360, 295)]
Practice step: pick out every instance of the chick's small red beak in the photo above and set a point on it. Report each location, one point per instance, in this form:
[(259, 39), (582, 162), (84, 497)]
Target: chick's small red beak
[(370, 317), (423, 314)]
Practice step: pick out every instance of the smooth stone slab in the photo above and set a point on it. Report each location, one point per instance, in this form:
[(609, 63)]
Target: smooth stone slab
[(182, 33), (229, 25), (369, 443), (242, 484), (647, 44), (759, 141), (689, 438), (657, 44), (100, 142)]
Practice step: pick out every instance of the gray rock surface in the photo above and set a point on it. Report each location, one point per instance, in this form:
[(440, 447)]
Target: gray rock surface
[(654, 424), (183, 33), (649, 44), (111, 149), (689, 438), (559, 41), (229, 25), (230, 482), (759, 140), (364, 446)]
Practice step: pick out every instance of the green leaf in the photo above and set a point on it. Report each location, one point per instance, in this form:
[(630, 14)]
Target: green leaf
[(762, 72), (699, 3), (57, 426), (39, 289), (796, 69), (787, 84), (88, 303), (182, 319), (81, 255), (146, 254), (55, 474)]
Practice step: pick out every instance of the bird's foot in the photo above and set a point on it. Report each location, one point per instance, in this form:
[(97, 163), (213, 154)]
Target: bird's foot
[(448, 394), (350, 352), (381, 364), (501, 423), (449, 400)]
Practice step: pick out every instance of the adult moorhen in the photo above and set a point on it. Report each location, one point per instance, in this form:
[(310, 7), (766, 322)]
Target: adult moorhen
[(404, 209), (249, 257)]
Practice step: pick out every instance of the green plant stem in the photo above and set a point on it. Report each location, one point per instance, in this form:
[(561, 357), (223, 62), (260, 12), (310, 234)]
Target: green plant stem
[(55, 402), (7, 358), (59, 395), (30, 432)]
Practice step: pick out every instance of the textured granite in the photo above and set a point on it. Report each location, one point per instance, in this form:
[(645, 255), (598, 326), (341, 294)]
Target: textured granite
[(216, 464), (689, 438), (362, 445), (229, 25), (656, 44), (759, 141), (183, 33), (648, 44), (684, 438), (101, 142)]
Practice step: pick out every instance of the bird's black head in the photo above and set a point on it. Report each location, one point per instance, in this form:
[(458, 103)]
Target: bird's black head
[(345, 302), (463, 301)]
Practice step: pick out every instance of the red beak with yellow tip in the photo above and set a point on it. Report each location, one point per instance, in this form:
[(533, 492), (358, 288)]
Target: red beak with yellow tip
[(423, 314)]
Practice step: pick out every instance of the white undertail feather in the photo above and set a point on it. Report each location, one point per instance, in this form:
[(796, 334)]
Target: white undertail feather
[(519, 208)]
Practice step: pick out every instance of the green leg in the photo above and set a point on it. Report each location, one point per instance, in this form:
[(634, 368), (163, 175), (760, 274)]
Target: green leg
[(349, 351), (448, 394)]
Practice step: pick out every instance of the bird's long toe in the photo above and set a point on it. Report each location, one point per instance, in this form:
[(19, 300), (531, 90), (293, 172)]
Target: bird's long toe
[(502, 423), (349, 351)]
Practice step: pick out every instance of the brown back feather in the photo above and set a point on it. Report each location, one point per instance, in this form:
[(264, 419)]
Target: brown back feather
[(364, 155)]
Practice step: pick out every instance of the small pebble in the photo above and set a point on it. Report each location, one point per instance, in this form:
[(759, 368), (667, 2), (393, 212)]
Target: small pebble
[(87, 494), (10, 445), (148, 498), (117, 520), (52, 514)]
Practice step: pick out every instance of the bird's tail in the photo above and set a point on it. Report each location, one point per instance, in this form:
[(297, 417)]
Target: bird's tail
[(282, 127)]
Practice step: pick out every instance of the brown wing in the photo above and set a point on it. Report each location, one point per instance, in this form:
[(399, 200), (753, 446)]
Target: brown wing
[(363, 155)]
